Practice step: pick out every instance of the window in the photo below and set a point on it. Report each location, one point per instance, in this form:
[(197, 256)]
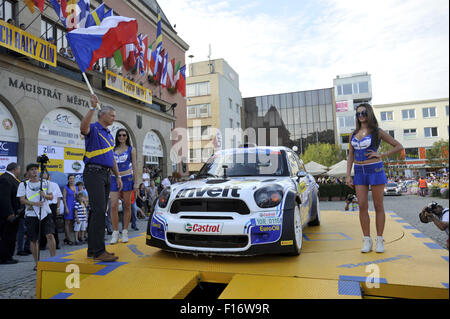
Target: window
[(387, 116), (231, 123), (412, 153), (238, 109), (194, 133), (293, 164), (429, 112), (339, 89), (431, 131), (446, 110), (408, 114), (195, 155), (391, 133), (347, 88), (409, 133), (355, 88), (206, 132), (363, 87), (6, 10), (345, 139), (197, 89), (191, 112), (230, 101)]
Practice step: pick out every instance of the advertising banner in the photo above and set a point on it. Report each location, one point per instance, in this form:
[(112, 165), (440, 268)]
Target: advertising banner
[(152, 145), (342, 106), (122, 85), (27, 44)]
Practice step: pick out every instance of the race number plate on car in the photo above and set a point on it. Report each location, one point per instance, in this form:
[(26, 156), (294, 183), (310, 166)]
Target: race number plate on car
[(268, 221)]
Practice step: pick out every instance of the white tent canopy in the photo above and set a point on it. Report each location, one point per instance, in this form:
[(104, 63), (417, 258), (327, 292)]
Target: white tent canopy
[(315, 169), (339, 169)]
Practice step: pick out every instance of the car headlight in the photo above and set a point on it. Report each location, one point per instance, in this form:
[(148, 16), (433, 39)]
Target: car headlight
[(164, 197), (269, 196)]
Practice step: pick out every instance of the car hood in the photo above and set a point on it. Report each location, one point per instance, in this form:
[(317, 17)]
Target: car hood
[(234, 187)]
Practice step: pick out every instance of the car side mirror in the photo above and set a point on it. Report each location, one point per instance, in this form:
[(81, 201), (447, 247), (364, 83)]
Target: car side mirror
[(301, 174)]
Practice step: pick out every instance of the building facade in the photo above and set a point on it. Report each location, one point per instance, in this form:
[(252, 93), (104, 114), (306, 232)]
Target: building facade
[(291, 119), (416, 125), (350, 90), (41, 106), (213, 108)]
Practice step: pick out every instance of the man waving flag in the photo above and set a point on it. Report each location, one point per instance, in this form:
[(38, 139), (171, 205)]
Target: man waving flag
[(91, 44)]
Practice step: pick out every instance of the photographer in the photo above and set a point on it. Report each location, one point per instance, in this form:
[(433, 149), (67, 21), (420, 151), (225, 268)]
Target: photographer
[(9, 207), (37, 210), (437, 214)]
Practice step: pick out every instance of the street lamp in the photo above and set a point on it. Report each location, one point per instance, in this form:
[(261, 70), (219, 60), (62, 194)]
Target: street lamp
[(172, 107)]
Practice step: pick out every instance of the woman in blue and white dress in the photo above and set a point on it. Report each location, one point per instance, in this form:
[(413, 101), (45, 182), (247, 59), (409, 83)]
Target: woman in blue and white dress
[(125, 156), (369, 171)]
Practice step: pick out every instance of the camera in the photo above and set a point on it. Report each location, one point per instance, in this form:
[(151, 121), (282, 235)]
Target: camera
[(431, 209), (43, 159)]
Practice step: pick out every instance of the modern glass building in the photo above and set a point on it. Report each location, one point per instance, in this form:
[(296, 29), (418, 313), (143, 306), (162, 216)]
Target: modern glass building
[(301, 118)]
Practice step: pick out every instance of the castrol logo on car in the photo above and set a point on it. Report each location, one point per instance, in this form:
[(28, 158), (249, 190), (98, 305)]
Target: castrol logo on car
[(203, 228)]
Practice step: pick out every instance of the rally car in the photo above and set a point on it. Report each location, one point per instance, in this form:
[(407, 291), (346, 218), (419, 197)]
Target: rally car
[(243, 201)]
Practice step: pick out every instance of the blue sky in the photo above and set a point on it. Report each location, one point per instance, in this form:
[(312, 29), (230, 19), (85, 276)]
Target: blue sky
[(287, 45)]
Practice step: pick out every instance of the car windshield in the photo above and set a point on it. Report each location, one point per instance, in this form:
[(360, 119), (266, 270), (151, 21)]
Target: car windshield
[(392, 184), (245, 162)]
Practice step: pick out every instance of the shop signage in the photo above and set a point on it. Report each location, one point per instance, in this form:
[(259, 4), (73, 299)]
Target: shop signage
[(27, 44), (122, 85), (152, 145), (342, 106)]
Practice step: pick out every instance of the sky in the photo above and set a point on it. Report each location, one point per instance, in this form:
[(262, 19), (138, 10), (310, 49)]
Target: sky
[(294, 45)]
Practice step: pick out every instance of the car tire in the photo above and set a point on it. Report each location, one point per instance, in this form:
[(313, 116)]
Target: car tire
[(298, 232), (315, 211)]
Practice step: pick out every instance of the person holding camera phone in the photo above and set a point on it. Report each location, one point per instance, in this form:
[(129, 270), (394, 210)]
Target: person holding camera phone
[(437, 214), (37, 210), (9, 207)]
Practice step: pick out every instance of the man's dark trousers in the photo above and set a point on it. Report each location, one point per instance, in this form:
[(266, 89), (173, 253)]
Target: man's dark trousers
[(8, 234), (98, 185)]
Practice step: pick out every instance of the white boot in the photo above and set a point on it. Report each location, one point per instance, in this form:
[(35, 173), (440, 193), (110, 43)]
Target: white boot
[(125, 236), (379, 244), (367, 244), (114, 237)]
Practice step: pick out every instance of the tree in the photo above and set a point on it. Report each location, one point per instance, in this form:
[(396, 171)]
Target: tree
[(437, 155), (323, 153)]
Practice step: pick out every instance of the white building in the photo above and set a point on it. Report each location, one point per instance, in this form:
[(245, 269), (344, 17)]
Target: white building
[(416, 125)]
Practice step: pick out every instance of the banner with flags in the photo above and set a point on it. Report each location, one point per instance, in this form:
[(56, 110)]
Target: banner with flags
[(91, 44)]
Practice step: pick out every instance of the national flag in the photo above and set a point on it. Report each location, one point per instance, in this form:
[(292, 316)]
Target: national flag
[(129, 56), (91, 44), (142, 53), (149, 61), (60, 7), (163, 81), (180, 80), (158, 41), (159, 67), (170, 82), (38, 3), (95, 17)]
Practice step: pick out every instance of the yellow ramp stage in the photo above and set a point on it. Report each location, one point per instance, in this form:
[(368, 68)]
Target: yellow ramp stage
[(330, 266)]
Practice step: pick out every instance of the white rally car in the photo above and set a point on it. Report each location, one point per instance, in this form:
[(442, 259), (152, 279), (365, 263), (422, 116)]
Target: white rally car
[(244, 201)]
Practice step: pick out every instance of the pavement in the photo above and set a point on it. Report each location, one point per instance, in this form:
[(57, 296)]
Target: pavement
[(18, 281)]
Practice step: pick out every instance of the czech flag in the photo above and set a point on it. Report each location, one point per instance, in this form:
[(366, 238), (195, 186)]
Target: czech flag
[(91, 44)]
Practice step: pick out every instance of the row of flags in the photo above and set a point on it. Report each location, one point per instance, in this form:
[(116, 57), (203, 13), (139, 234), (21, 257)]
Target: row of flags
[(99, 34)]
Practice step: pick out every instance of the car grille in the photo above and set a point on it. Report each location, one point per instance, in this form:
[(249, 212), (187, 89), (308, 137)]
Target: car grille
[(209, 205), (208, 241)]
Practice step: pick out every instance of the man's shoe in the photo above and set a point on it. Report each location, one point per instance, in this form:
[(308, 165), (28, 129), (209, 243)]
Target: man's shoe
[(104, 257), (91, 255), (367, 245), (379, 244)]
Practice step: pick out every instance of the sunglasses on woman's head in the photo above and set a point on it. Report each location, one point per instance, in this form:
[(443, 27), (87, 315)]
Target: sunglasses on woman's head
[(363, 113)]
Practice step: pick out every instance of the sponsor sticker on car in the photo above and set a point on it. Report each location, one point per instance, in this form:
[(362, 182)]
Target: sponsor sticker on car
[(203, 228), (267, 221)]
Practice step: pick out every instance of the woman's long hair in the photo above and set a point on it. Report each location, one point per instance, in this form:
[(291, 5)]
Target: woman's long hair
[(117, 137), (372, 123)]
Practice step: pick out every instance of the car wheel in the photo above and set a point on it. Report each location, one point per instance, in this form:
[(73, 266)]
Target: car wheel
[(315, 212), (298, 232)]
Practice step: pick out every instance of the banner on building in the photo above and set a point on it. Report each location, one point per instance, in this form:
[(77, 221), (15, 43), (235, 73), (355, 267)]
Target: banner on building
[(122, 85), (8, 154), (27, 44), (342, 106)]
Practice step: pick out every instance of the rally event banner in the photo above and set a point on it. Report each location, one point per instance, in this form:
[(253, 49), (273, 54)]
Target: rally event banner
[(27, 44), (122, 85)]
